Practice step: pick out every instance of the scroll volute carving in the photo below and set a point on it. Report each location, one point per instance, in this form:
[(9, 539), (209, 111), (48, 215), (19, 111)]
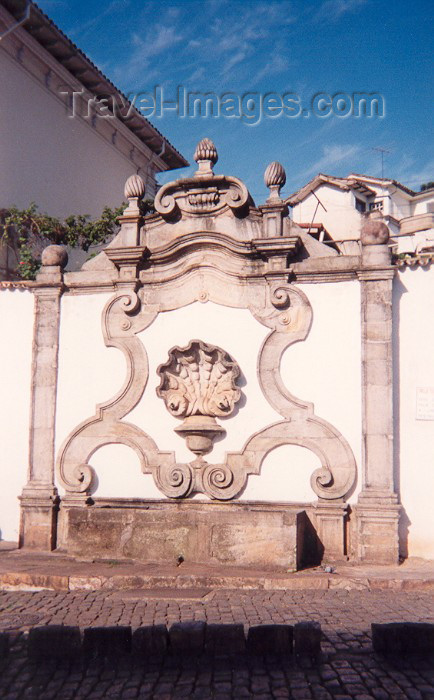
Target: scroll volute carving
[(198, 384)]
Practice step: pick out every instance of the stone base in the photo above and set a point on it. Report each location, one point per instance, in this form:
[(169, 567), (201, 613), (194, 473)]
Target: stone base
[(377, 539), (38, 520), (210, 533)]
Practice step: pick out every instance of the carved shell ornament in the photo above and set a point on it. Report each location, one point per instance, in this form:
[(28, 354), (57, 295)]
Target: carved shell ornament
[(198, 383)]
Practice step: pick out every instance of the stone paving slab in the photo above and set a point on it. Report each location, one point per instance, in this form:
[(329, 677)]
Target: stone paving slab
[(346, 668), (26, 570)]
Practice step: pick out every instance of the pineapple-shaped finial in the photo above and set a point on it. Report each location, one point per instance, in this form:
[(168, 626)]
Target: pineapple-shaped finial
[(275, 179), (205, 156)]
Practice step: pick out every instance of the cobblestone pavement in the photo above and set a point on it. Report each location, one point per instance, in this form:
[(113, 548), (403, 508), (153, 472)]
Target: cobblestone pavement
[(347, 669)]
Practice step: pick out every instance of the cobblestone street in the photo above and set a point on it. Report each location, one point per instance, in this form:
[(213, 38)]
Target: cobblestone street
[(347, 668)]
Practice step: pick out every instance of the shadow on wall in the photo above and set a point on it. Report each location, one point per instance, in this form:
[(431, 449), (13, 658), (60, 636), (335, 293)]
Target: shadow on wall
[(310, 547), (399, 289)]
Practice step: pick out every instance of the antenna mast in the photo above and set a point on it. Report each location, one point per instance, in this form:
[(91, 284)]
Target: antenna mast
[(381, 150)]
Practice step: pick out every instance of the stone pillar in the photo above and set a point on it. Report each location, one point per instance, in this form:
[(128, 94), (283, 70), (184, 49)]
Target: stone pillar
[(330, 527), (377, 511), (39, 499)]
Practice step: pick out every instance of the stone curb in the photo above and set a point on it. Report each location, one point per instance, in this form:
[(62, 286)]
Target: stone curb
[(307, 639), (403, 638), (113, 641), (27, 581), (270, 639), (4, 645), (54, 642), (223, 640), (61, 642)]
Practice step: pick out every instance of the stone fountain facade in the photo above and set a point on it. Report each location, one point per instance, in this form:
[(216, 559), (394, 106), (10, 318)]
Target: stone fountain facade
[(208, 243)]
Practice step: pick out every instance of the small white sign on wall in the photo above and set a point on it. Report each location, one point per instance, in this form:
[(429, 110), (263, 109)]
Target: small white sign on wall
[(425, 403)]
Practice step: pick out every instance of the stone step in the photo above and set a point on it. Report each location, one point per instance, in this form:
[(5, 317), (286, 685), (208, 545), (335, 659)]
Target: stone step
[(168, 584)]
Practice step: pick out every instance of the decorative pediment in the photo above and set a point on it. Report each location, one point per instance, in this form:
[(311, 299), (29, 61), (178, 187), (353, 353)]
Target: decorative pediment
[(197, 196), (205, 192), (206, 219)]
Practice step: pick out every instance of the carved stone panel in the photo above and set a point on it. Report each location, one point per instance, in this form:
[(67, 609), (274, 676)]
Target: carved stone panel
[(199, 379), (286, 311), (198, 383)]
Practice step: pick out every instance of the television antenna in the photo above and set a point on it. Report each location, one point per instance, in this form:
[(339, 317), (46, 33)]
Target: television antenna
[(381, 150)]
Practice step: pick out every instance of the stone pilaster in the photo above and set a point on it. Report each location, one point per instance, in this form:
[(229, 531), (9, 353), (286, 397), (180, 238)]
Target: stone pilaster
[(330, 527), (377, 511), (39, 499)]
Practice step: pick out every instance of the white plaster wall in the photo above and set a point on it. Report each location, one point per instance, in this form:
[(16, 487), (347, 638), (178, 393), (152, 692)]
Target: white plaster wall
[(341, 220), (237, 332), (16, 331), (423, 205), (325, 369), (400, 205), (89, 372), (60, 163), (414, 367)]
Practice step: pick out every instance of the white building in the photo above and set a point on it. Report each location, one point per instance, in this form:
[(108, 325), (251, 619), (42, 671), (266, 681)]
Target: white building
[(57, 150), (337, 206)]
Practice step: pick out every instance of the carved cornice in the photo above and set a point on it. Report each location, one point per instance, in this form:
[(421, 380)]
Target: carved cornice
[(376, 274), (259, 248), (125, 256)]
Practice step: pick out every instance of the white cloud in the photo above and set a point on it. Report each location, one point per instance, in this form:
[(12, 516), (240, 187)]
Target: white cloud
[(158, 40), (94, 22), (333, 10), (224, 39), (415, 177), (276, 64), (332, 155)]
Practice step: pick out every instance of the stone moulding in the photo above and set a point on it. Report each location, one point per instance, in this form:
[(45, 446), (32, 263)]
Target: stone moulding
[(286, 311)]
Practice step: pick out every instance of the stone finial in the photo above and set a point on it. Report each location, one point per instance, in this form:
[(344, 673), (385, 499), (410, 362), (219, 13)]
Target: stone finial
[(205, 156), (275, 179), (54, 255), (134, 188), (374, 233)]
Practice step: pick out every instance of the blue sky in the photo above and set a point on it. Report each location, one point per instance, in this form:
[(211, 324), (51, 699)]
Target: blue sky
[(301, 47)]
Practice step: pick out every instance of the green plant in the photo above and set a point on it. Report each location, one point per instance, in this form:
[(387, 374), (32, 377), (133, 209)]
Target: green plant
[(30, 231), (427, 186)]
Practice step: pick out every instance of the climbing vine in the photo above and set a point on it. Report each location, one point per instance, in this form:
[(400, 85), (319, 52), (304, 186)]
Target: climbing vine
[(28, 232)]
